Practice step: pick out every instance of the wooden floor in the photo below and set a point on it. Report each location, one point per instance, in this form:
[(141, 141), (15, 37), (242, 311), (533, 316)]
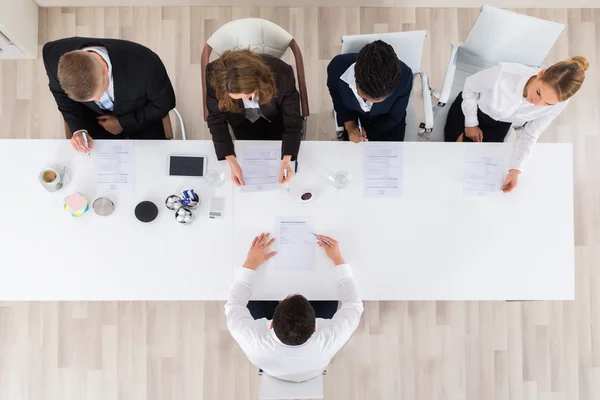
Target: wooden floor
[(402, 350)]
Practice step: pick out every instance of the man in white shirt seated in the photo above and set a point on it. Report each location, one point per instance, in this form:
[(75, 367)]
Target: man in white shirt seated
[(295, 343)]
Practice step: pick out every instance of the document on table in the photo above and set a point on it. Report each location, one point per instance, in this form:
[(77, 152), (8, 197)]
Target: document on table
[(295, 244), (260, 168), (382, 170), (115, 165), (484, 173)]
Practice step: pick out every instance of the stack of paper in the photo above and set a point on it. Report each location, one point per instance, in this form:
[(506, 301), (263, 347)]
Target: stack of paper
[(115, 165), (260, 168), (484, 173), (383, 170)]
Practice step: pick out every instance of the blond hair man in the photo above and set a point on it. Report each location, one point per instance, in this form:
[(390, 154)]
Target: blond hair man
[(108, 88)]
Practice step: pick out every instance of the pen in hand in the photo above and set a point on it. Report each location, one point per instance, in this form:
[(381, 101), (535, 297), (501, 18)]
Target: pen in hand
[(285, 173), (85, 141), (322, 240), (360, 128)]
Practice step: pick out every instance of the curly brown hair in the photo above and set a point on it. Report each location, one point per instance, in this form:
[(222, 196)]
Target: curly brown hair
[(241, 71)]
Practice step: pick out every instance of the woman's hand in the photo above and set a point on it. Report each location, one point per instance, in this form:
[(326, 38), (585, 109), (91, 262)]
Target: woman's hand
[(511, 181), (474, 133), (354, 133), (286, 164), (236, 171)]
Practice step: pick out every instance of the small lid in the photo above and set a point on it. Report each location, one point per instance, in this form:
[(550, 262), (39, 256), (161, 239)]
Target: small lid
[(103, 206), (146, 211)]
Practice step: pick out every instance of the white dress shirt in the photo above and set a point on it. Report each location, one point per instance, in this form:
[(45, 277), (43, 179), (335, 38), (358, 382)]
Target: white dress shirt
[(292, 363), (498, 92), (350, 79), (104, 54), (252, 102)]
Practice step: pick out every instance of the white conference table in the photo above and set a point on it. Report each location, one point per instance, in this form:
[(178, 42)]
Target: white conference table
[(433, 243), (48, 255)]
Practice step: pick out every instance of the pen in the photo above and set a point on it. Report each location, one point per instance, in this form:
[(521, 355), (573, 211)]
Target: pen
[(287, 185), (87, 144), (323, 240), (360, 128)]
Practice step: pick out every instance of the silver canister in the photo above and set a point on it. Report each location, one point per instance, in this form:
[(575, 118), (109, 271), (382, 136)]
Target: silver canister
[(183, 215)]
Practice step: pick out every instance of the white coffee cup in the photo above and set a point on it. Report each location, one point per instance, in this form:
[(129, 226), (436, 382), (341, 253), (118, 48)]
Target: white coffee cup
[(51, 178)]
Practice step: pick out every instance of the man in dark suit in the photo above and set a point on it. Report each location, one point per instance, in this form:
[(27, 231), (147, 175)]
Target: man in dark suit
[(111, 89), (370, 92)]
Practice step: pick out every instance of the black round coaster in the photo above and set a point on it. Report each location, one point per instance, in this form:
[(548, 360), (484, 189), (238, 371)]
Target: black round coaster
[(146, 211)]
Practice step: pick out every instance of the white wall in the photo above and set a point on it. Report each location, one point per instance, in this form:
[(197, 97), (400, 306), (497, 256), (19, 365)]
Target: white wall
[(300, 3), (19, 21)]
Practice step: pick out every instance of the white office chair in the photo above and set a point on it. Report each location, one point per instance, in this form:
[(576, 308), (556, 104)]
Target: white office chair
[(261, 36), (168, 126), (276, 389), (409, 48), (497, 36)]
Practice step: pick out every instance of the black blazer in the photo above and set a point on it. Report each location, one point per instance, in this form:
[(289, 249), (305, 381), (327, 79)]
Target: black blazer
[(143, 91), (384, 117), (286, 105)]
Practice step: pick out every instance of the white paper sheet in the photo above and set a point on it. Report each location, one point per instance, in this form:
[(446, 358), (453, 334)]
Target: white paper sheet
[(260, 168), (295, 244), (484, 173), (382, 170), (115, 165)]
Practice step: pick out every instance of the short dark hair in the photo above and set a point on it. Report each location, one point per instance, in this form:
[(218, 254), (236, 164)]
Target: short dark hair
[(377, 69), (294, 320)]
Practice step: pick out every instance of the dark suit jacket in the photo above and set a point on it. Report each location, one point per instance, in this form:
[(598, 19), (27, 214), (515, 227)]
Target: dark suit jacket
[(384, 118), (143, 91), (285, 106)]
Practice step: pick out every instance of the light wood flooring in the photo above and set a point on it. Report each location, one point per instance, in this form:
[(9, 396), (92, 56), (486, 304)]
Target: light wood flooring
[(402, 350)]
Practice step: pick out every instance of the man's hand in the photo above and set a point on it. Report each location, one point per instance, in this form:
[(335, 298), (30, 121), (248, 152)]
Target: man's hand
[(332, 249), (110, 123), (511, 181), (286, 165), (259, 251), (236, 171), (474, 133), (79, 144), (354, 133)]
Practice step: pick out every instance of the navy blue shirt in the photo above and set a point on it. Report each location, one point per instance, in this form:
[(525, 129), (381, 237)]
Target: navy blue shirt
[(387, 120)]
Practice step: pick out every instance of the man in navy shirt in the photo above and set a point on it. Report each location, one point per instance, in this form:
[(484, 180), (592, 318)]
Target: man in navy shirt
[(370, 92)]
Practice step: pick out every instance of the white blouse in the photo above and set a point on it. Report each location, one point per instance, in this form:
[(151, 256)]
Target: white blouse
[(350, 78), (252, 102), (498, 92)]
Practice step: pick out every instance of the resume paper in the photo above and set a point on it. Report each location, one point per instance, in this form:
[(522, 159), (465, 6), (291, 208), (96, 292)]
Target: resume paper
[(295, 243), (382, 170), (260, 168)]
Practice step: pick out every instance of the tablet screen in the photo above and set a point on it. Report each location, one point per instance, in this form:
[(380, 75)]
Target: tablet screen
[(186, 166)]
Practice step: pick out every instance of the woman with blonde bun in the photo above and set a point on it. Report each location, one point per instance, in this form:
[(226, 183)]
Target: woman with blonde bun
[(496, 98)]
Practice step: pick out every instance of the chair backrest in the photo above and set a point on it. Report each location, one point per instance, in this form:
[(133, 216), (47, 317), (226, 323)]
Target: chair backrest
[(504, 36), (407, 45), (260, 35), (276, 389)]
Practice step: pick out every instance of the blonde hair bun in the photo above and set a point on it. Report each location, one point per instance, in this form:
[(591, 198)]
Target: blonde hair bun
[(582, 62)]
